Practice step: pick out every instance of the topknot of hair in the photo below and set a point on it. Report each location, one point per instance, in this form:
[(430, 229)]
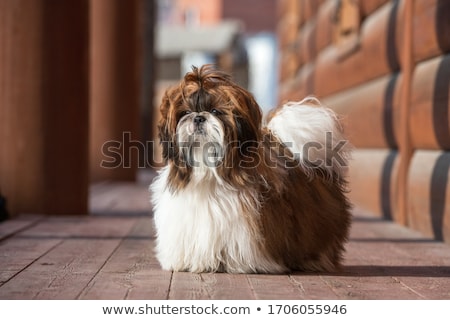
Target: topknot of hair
[(207, 76)]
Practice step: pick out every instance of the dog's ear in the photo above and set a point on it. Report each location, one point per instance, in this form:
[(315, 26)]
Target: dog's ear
[(165, 130), (248, 121)]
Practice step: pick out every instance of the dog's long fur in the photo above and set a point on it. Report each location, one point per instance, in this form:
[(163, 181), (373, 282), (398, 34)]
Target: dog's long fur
[(237, 196)]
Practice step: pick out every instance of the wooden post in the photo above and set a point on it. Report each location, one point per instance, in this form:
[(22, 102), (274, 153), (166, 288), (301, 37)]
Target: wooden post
[(405, 147), (115, 84), (66, 105), (44, 106), (21, 143)]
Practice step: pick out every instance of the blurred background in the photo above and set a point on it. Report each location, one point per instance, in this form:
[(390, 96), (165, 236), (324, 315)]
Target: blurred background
[(239, 37), (81, 81)]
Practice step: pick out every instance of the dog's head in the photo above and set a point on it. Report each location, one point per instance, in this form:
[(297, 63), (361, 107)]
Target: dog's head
[(208, 122)]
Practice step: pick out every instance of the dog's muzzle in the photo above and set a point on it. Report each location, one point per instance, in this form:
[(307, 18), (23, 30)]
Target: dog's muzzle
[(199, 123)]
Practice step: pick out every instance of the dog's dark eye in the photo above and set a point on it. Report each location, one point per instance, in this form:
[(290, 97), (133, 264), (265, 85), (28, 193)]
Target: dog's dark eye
[(185, 112), (215, 112)]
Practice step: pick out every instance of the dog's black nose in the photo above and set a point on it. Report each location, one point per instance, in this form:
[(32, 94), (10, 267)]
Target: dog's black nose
[(199, 119)]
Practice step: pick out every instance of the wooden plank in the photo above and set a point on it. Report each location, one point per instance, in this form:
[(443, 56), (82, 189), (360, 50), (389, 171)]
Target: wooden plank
[(312, 287), (325, 20), (307, 43), (389, 261), (215, 286), (429, 194), (287, 29), (274, 287), (284, 7), (64, 271), (21, 175), (369, 6), (378, 36), (195, 286), (367, 275), (310, 8), (210, 286), (64, 81), (367, 227), (384, 261), (132, 272), (113, 112), (431, 29), (428, 276), (369, 112), (188, 286), (224, 286), (18, 254), (120, 198), (360, 288), (289, 63), (405, 147), (431, 288), (371, 181), (429, 117), (17, 224), (90, 227), (397, 271), (298, 88)]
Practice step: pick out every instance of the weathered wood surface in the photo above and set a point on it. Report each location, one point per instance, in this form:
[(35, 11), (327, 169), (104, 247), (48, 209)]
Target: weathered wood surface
[(429, 191), (372, 176), (111, 257), (381, 34), (390, 86), (369, 112)]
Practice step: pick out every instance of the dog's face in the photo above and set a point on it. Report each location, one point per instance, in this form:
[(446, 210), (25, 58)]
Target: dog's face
[(208, 122)]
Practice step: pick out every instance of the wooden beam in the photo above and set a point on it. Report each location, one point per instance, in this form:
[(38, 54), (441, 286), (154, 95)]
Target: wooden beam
[(44, 106), (65, 106), (405, 147), (21, 123), (115, 76)]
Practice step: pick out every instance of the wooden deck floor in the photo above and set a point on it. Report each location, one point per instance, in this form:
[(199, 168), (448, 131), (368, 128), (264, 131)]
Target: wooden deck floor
[(109, 255)]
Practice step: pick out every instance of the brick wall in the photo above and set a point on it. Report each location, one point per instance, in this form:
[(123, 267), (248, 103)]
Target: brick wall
[(384, 66)]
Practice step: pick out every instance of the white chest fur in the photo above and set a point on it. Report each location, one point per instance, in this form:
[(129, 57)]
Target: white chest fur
[(202, 228)]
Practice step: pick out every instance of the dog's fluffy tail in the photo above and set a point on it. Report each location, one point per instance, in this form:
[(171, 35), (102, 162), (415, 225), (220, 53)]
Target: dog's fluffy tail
[(313, 134)]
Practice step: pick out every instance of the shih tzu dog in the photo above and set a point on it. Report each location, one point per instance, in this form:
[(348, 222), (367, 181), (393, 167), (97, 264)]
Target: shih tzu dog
[(242, 197)]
